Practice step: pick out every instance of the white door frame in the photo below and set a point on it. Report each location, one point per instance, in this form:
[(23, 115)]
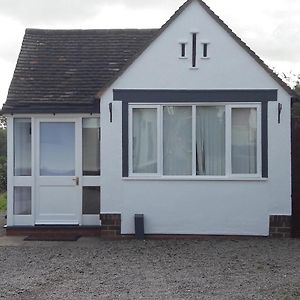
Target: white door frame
[(52, 180)]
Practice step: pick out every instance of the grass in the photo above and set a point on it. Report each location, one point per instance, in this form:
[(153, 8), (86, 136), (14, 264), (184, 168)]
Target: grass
[(2, 201)]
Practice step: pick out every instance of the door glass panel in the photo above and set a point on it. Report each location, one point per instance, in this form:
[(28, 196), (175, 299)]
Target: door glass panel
[(22, 147), (57, 148), (91, 146), (91, 200)]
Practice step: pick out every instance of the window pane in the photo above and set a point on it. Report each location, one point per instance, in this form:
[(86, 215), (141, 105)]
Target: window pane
[(244, 141), (22, 200), (144, 141), (177, 140), (57, 148), (210, 140), (22, 147), (91, 146), (91, 200)]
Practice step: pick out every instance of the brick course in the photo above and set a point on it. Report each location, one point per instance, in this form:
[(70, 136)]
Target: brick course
[(110, 225), (280, 226), (110, 228)]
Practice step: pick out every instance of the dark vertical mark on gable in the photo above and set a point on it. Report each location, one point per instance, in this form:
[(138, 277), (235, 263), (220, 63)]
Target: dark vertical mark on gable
[(205, 46), (194, 51), (183, 50)]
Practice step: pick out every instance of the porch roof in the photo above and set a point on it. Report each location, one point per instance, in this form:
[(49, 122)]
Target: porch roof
[(62, 70)]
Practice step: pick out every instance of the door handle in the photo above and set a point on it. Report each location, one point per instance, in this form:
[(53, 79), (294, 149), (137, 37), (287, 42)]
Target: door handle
[(76, 180)]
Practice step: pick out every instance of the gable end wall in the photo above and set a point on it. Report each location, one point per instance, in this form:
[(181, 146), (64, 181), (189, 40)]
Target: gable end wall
[(197, 207)]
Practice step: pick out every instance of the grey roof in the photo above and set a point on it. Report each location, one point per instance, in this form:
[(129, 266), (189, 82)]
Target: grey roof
[(64, 70)]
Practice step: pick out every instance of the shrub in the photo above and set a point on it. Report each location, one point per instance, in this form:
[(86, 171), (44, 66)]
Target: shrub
[(3, 174), (3, 201)]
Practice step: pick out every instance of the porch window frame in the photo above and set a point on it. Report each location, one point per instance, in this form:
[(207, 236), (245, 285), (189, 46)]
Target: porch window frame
[(30, 181), (228, 106), (19, 180), (90, 180)]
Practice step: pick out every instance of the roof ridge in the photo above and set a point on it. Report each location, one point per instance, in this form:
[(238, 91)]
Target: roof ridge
[(50, 30)]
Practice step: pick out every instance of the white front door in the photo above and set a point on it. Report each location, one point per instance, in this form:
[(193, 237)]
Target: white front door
[(58, 191)]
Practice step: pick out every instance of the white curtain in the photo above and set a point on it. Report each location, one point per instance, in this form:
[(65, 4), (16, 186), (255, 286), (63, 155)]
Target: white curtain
[(244, 140), (22, 147), (210, 140), (144, 140), (177, 140)]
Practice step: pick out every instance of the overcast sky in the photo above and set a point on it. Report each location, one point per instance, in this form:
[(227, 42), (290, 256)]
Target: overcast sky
[(270, 27)]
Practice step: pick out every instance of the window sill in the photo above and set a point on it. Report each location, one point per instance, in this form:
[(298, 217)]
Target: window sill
[(193, 178)]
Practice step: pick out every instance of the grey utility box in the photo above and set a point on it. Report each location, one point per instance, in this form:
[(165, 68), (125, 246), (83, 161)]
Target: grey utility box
[(139, 226)]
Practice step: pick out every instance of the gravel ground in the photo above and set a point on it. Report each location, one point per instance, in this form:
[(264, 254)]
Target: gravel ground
[(92, 268)]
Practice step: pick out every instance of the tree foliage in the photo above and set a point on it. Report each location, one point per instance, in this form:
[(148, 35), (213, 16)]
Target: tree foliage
[(297, 87), (3, 122)]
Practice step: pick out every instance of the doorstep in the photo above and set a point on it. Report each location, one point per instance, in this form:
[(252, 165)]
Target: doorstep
[(54, 230)]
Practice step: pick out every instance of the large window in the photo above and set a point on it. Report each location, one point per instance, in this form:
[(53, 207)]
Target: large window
[(194, 140)]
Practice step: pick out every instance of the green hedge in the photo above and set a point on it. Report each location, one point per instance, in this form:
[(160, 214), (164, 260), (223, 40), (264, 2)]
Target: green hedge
[(2, 201), (3, 177), (3, 174)]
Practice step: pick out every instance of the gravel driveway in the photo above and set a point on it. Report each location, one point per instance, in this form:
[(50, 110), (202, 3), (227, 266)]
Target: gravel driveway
[(92, 268)]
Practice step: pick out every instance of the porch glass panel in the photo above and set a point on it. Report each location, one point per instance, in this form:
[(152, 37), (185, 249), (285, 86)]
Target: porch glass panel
[(22, 200), (91, 200), (91, 146), (22, 147)]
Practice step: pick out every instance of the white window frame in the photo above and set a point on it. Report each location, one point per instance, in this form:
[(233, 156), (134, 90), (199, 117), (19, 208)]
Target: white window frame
[(228, 174), (130, 140)]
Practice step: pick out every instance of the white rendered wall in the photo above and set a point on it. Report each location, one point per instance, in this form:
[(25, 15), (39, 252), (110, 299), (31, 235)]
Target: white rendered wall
[(196, 207)]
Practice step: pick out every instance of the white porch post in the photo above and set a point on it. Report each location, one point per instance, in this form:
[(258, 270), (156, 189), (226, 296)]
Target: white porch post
[(10, 141)]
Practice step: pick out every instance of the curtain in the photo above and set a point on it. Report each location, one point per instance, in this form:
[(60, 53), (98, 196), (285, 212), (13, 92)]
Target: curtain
[(177, 140), (210, 140), (244, 140), (144, 140)]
